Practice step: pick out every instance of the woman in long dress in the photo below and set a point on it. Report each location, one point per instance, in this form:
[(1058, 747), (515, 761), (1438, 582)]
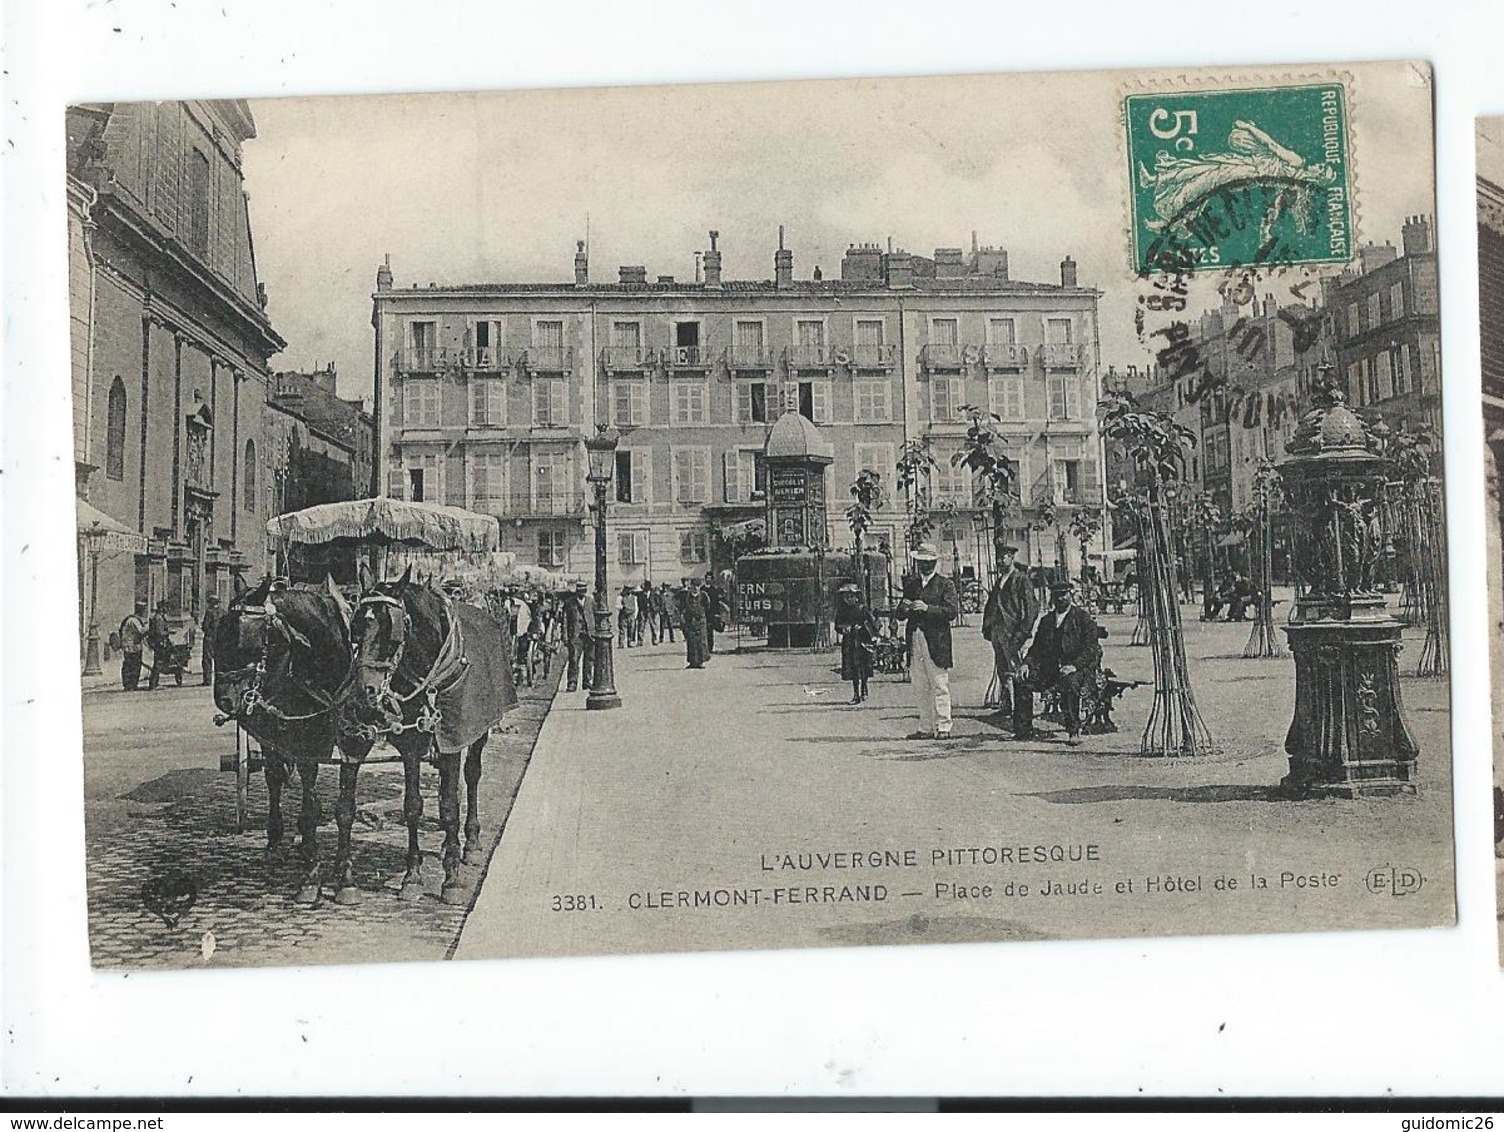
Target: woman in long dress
[(857, 629)]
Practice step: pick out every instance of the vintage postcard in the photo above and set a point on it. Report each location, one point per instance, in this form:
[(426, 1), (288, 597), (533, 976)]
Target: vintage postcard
[(1491, 326), (778, 515)]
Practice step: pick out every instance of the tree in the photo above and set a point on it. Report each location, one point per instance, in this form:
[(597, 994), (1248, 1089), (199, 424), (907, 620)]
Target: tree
[(1414, 458), (1157, 445), (913, 468), (866, 498), (1085, 524), (994, 473), (1258, 526)]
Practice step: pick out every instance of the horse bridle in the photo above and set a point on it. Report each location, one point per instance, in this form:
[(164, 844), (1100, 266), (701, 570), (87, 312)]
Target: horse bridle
[(448, 666), (254, 698)]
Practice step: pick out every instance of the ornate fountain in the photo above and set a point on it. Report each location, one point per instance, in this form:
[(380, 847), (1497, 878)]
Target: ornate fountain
[(1349, 737)]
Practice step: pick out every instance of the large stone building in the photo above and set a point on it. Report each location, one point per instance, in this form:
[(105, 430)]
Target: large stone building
[(485, 392), (170, 348)]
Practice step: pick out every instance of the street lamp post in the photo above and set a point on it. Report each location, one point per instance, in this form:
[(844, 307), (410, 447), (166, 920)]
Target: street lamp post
[(601, 450), (91, 641)]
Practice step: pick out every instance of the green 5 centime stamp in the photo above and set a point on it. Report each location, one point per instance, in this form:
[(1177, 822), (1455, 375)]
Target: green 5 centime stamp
[(1228, 178)]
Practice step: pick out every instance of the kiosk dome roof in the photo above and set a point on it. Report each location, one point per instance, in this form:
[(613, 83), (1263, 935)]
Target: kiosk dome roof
[(795, 436)]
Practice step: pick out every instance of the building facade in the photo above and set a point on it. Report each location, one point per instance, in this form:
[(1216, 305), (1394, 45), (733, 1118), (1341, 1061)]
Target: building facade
[(486, 392), (170, 348)]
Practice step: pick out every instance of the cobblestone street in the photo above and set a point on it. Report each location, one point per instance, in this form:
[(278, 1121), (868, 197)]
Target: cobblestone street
[(158, 807)]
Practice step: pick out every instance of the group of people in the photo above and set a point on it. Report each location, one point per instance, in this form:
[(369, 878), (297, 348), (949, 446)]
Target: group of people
[(168, 640), (644, 613), (1056, 651)]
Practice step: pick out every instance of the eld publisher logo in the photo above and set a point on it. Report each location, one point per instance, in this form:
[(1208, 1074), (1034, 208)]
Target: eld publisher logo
[(1394, 880)]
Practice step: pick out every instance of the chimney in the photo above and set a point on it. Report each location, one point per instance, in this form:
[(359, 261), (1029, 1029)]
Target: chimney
[(632, 273), (1068, 273), (713, 262), (384, 274), (950, 263), (783, 264), (581, 264), (1415, 236), (900, 269)]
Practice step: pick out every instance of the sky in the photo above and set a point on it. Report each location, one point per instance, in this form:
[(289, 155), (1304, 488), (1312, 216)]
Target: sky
[(497, 187)]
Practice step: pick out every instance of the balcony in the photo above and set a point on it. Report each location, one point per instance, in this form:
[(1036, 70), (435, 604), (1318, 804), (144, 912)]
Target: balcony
[(548, 359), (809, 357), (1060, 354), (540, 505), (942, 356), (686, 358), (1005, 355), (626, 359), (423, 359), (880, 356), (749, 358), (486, 359)]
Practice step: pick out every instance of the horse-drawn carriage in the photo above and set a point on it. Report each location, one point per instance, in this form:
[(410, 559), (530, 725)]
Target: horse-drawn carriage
[(399, 671)]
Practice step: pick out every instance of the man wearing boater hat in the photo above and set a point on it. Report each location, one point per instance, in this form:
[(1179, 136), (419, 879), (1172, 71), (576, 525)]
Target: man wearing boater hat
[(1066, 651), (930, 604), (1007, 621)]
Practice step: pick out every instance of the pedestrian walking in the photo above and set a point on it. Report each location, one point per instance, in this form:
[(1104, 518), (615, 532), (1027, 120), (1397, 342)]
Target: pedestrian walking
[(132, 638), (857, 629), (710, 597), (576, 637), (929, 612), (667, 602), (208, 627), (1067, 651), (692, 611), (159, 640), (1007, 620), (623, 620), (650, 603)]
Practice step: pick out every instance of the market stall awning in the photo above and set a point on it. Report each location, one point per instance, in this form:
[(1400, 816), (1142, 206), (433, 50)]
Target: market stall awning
[(107, 533), (382, 521)]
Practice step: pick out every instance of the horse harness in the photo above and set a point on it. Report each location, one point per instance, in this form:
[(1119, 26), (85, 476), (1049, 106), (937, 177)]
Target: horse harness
[(447, 670), (254, 698)]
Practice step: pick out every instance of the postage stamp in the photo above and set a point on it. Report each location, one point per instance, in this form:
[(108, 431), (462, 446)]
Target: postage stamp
[(1223, 178)]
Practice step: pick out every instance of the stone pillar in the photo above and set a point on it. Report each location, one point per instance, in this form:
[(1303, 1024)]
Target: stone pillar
[(1349, 737)]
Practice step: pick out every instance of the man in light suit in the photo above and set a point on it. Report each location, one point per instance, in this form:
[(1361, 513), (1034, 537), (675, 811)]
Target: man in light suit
[(930, 605), (1007, 622)]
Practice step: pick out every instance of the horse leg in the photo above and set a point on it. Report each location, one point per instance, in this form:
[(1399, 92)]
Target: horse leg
[(449, 817), (472, 813), (412, 813), (345, 891), (308, 830), (276, 777)]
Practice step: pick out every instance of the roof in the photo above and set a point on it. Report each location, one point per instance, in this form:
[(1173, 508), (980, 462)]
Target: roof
[(980, 284), (794, 436)]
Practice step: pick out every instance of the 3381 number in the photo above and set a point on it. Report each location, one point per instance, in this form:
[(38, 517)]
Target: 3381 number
[(574, 902)]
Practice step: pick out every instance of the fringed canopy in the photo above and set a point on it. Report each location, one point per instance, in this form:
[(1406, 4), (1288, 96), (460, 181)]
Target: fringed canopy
[(381, 521), (107, 533)]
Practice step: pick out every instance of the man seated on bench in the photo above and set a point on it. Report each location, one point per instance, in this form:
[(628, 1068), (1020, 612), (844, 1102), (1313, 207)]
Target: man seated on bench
[(1066, 653)]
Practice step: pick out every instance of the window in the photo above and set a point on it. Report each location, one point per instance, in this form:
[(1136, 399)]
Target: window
[(1374, 394), (488, 402), (691, 475), (422, 478), (871, 399), (814, 401), (1068, 481), (946, 395), (810, 333), (551, 485), (945, 331), (1065, 394), (1006, 397), (1374, 316), (486, 338), (550, 402), (1397, 365), (1001, 332), (629, 401), (752, 402), (200, 200), (694, 546), (623, 479), (1354, 388), (550, 548), (422, 345), (689, 400), (632, 548), (627, 337), (744, 473), (248, 475), (420, 403), (488, 479), (869, 332), (1353, 326), (877, 458), (687, 343), (747, 348), (114, 440), (1397, 302), (950, 481), (1059, 332), (547, 351)]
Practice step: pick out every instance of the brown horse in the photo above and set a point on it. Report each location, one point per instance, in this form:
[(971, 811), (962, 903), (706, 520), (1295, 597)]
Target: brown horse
[(285, 674), (434, 675)]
